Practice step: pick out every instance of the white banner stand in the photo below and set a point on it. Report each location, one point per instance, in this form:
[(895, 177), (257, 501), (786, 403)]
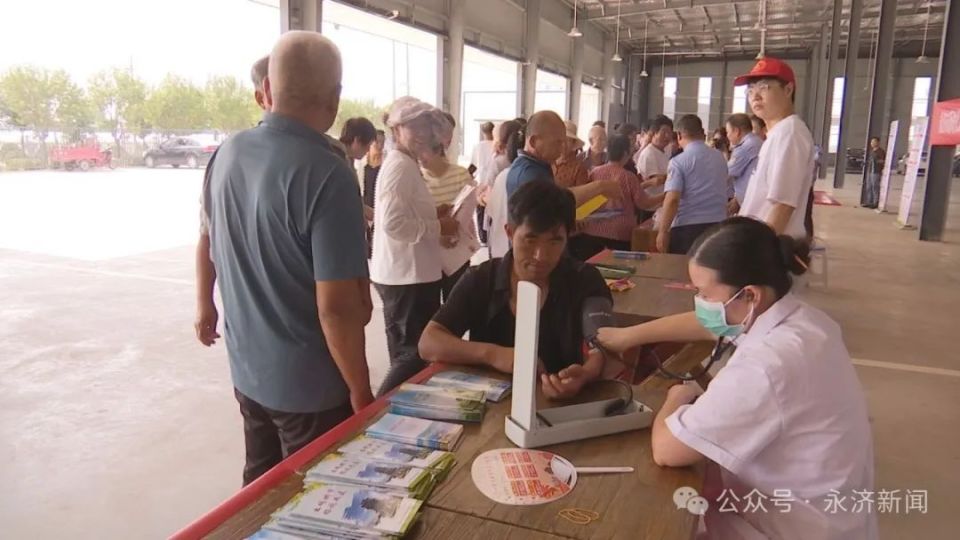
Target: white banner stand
[(888, 167), (913, 171), (525, 426)]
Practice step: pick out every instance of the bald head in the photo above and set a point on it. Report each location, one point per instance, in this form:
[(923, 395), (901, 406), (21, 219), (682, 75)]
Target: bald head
[(598, 138), (303, 79), (546, 135)]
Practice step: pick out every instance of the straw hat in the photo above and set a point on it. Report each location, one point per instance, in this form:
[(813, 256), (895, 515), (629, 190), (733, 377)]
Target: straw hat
[(572, 134)]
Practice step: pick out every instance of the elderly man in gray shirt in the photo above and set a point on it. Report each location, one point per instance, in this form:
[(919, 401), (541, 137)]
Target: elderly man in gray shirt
[(288, 243)]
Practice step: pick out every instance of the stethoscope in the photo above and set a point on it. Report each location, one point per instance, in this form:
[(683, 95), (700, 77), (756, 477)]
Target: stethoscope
[(720, 349)]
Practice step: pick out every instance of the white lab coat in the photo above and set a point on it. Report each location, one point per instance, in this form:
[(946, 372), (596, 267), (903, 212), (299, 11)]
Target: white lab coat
[(786, 413)]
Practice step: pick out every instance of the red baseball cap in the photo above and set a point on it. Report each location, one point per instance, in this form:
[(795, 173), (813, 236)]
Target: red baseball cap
[(768, 67)]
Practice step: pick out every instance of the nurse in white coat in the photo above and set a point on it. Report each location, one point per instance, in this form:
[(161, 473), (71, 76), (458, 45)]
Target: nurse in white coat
[(784, 423)]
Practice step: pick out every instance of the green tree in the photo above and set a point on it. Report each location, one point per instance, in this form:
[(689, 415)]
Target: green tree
[(75, 113), (230, 104), (176, 104), (119, 98), (44, 100), (350, 108)]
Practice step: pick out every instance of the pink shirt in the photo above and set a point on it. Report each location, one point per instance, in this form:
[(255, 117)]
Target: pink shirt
[(786, 415), (619, 227)]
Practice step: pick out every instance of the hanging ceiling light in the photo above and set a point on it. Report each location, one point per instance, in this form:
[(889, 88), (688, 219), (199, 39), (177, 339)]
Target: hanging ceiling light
[(575, 32), (922, 59), (616, 54), (643, 72)]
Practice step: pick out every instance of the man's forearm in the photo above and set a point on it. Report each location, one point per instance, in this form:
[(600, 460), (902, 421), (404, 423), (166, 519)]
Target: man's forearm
[(670, 206), (206, 272), (437, 344), (779, 217), (347, 343)]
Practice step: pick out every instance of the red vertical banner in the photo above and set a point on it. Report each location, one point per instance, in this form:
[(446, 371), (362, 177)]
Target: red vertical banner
[(945, 123)]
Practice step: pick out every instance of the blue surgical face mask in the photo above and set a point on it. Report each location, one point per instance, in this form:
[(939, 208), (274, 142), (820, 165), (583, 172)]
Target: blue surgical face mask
[(713, 316)]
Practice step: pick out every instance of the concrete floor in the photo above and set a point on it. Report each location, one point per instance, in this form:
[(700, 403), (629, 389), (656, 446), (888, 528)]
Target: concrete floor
[(115, 423)]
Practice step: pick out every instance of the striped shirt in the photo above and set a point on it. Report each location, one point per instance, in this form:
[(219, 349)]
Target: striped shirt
[(618, 227), (446, 187)]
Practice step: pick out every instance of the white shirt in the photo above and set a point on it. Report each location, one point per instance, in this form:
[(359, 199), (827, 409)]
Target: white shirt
[(406, 232), (652, 161), (786, 413), (484, 160), (784, 174), (496, 217)]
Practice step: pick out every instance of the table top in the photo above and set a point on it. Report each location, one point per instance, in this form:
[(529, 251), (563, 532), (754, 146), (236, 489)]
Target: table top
[(635, 505), (656, 265), (653, 295)]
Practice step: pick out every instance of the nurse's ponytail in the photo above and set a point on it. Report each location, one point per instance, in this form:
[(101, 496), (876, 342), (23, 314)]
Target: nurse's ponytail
[(795, 254), (744, 251)]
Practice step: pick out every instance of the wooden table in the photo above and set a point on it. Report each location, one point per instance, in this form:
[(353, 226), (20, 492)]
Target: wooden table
[(637, 505), (651, 298), (656, 265)]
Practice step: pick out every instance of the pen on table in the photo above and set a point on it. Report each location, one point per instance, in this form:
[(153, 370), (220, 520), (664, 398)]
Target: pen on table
[(636, 255), (603, 470)]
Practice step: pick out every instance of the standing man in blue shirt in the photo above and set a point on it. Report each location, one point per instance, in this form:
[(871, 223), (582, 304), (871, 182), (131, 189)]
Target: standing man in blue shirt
[(696, 190), (743, 157), (288, 243), (545, 135)]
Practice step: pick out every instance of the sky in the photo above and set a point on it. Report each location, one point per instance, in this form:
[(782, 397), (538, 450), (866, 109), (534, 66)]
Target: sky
[(196, 39), (201, 38)]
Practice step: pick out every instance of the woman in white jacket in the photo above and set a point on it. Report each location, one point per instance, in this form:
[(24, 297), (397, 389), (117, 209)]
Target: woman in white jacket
[(406, 265)]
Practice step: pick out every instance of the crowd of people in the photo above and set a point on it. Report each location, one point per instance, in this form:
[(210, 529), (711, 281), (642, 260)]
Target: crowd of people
[(298, 226)]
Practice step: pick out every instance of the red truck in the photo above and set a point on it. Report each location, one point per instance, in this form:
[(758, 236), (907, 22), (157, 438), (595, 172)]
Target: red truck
[(81, 157)]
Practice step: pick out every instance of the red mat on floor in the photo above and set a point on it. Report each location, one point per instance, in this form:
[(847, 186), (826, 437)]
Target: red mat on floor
[(824, 198)]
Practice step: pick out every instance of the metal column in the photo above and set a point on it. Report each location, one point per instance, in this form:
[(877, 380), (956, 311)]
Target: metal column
[(820, 86), (301, 15), (454, 69), (606, 85), (881, 78), (831, 73), (576, 79), (721, 116), (936, 199), (849, 84), (627, 91), (531, 47)]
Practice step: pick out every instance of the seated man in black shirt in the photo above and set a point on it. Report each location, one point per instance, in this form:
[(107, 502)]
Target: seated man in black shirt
[(541, 216)]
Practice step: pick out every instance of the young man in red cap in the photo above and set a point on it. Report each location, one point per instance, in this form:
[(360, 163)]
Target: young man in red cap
[(779, 189)]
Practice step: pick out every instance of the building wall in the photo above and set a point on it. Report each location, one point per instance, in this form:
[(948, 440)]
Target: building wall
[(498, 26)]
